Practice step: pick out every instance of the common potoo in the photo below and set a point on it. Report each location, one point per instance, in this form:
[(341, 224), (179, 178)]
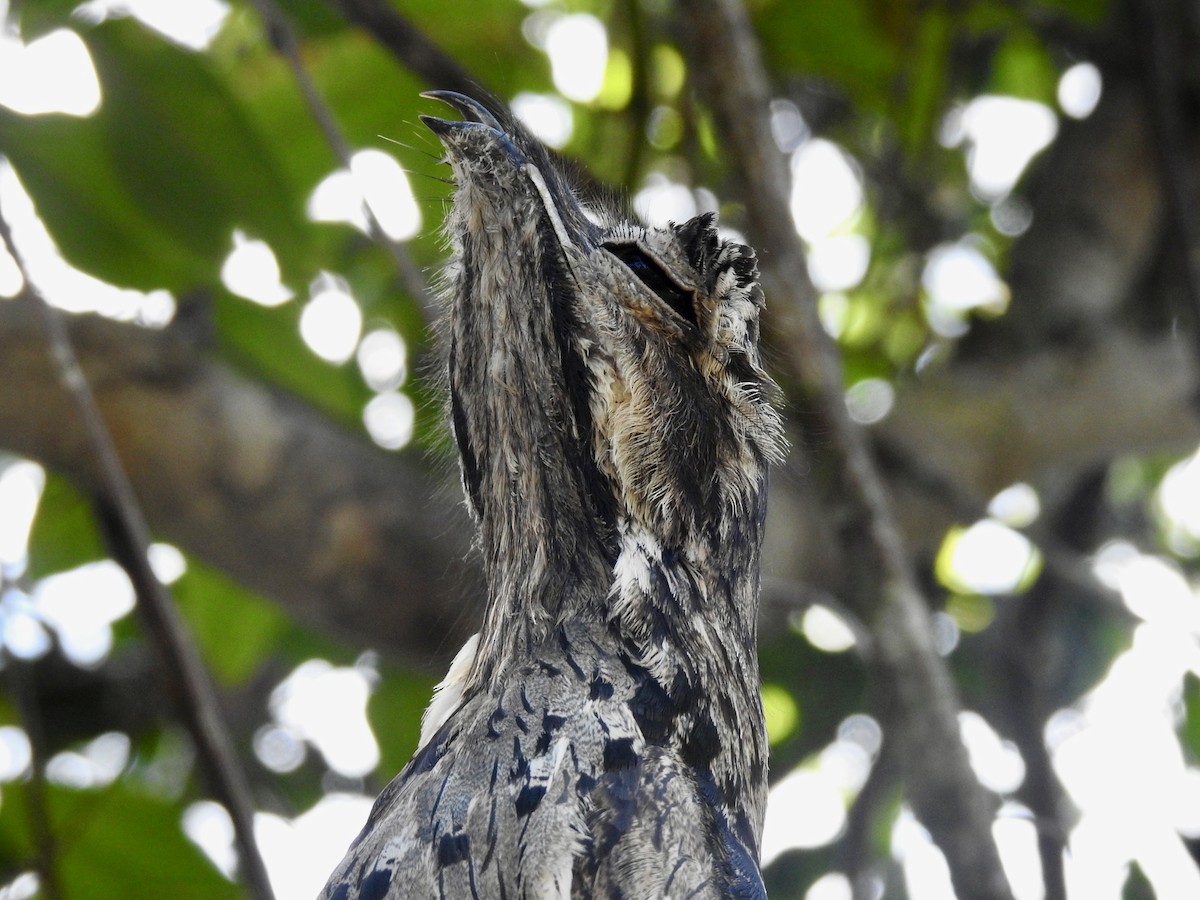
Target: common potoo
[(603, 735)]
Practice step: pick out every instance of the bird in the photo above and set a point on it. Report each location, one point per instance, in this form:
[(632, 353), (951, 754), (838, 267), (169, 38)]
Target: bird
[(602, 736)]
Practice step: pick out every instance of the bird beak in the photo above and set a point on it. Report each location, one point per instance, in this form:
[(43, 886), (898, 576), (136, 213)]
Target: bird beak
[(472, 111)]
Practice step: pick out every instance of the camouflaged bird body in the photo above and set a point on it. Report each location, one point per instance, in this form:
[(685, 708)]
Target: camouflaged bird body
[(550, 788), (603, 737)]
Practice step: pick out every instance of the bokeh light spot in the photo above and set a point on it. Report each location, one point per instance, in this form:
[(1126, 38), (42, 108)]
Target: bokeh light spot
[(826, 189), (838, 263), (781, 712), (870, 400), (830, 886), (1004, 134), (327, 706), (52, 74), (805, 808), (385, 188), (826, 630), (1017, 506), (376, 181), (16, 753), (958, 278), (662, 200), (987, 558), (383, 359), (1079, 90), (389, 419), (996, 762), (301, 852), (21, 485), (578, 49), (207, 825), (11, 279), (252, 271), (331, 320), (190, 23), (548, 117), (81, 606), (278, 748), (167, 561)]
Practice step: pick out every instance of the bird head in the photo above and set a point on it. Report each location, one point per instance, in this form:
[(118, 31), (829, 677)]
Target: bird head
[(604, 377)]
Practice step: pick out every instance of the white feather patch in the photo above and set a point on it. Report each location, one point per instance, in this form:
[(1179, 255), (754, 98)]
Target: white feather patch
[(539, 185), (448, 693)]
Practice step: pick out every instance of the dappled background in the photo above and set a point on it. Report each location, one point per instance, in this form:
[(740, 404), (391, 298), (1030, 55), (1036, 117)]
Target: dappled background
[(236, 209)]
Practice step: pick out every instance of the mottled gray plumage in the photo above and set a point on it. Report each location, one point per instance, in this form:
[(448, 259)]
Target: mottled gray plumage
[(604, 736)]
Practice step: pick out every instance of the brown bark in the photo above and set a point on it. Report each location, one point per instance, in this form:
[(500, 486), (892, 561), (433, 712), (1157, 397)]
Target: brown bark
[(344, 536)]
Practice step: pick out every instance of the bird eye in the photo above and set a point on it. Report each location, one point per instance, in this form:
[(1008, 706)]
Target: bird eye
[(652, 275)]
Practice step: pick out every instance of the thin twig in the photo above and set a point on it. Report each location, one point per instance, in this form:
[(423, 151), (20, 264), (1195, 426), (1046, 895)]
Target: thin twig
[(283, 39), (782, 598), (1066, 563), (120, 517), (917, 695), (44, 841), (1024, 670), (409, 44), (1031, 662), (418, 53), (852, 851)]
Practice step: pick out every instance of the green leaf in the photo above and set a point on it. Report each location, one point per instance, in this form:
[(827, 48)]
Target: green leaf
[(1022, 68), (147, 191), (112, 844), (67, 166), (781, 712), (234, 628), (268, 340), (1190, 728), (64, 533), (1137, 886), (853, 44), (1091, 12), (395, 713), (37, 17), (364, 87), (493, 48), (926, 73)]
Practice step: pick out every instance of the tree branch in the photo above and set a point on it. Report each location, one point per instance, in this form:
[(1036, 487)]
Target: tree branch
[(369, 546), (18, 677), (409, 44), (366, 545), (916, 693), (283, 39), (354, 541), (129, 538)]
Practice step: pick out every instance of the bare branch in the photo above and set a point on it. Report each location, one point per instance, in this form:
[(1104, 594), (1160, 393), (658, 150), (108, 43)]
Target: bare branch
[(917, 695), (352, 540), (18, 675), (283, 39), (374, 549), (439, 70), (409, 44), (125, 527)]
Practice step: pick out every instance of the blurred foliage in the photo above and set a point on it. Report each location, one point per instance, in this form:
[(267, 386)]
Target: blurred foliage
[(1137, 886), (64, 532), (1191, 715), (109, 839), (189, 146)]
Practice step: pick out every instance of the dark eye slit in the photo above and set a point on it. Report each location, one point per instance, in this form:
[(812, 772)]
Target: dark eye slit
[(652, 276)]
